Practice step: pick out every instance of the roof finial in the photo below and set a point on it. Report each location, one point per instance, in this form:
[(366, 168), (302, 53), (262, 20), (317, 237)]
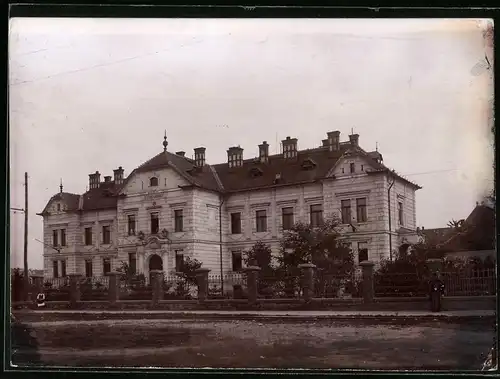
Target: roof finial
[(376, 146), (352, 130), (61, 186), (165, 143)]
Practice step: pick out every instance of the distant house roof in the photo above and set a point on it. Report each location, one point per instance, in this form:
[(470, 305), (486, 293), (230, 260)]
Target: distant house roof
[(70, 199), (309, 166)]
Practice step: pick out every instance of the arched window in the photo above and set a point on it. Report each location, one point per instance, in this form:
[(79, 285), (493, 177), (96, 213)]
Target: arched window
[(153, 182)]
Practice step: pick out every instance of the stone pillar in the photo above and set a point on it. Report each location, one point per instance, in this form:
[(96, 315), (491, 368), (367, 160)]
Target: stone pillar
[(37, 286), (157, 286), (252, 273), (368, 290), (164, 257), (202, 281), (114, 287), (307, 270), (140, 260), (434, 265), (74, 289)]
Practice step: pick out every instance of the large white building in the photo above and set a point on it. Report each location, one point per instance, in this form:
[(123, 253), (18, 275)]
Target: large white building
[(173, 207)]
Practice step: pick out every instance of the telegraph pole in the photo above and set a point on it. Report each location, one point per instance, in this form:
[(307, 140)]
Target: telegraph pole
[(26, 275)]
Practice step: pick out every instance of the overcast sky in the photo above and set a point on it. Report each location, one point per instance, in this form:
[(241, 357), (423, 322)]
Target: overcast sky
[(95, 94)]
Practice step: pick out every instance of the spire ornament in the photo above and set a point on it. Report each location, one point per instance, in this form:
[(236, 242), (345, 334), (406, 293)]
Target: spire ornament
[(165, 143), (61, 186)]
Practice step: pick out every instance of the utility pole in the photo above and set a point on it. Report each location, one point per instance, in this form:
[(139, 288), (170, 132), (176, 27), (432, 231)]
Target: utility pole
[(26, 275)]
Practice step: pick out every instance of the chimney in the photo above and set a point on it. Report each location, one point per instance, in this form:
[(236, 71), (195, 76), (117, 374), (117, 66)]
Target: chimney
[(118, 175), (289, 147), (264, 152), (199, 156), (235, 156), (94, 180), (180, 153), (107, 179), (324, 143), (333, 140), (354, 139)]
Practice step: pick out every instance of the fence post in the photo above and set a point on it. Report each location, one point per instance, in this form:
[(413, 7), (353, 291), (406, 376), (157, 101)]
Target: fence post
[(368, 289), (74, 289), (37, 285), (157, 286), (307, 280), (202, 281), (114, 287), (252, 273)]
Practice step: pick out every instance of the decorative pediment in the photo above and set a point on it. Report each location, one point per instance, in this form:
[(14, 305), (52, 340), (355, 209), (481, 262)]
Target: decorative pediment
[(255, 172), (308, 164)]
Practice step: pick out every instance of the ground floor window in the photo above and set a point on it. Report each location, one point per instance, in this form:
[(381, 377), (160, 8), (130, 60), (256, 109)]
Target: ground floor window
[(179, 260), (55, 269), (63, 269), (106, 266), (132, 263), (88, 268), (362, 251), (237, 261)]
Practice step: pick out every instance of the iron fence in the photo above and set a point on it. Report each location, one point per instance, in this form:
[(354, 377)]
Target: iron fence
[(234, 283), (410, 284), (470, 283), (179, 288), (94, 288), (333, 285), (280, 287), (54, 283)]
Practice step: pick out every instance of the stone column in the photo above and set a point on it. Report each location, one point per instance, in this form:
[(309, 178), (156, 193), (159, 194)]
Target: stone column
[(307, 270), (74, 288), (202, 281), (164, 257), (368, 289), (37, 285), (157, 286), (140, 260), (114, 287), (252, 273)]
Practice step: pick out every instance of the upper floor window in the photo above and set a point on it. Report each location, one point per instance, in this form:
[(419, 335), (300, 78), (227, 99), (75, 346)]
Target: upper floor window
[(153, 182), (179, 220), (287, 218), (106, 235), (361, 209), (261, 221), (63, 237), (352, 168), (155, 223), (236, 223), (237, 261), (346, 211), (88, 236), (400, 213), (131, 225), (316, 211), (55, 239)]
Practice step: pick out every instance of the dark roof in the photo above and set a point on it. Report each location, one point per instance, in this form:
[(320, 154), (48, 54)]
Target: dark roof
[(70, 199), (309, 166)]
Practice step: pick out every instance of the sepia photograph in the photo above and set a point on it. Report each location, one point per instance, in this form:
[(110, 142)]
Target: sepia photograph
[(252, 193)]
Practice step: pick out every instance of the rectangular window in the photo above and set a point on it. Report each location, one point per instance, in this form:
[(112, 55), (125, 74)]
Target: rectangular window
[(106, 266), (63, 269), (63, 237), (236, 223), (55, 241), (155, 223), (132, 263), (179, 220), (352, 168), (179, 260), (261, 221), (287, 218), (237, 261), (346, 211), (88, 268), (88, 236), (400, 213), (55, 269), (106, 235), (362, 251), (361, 209), (131, 225), (316, 211)]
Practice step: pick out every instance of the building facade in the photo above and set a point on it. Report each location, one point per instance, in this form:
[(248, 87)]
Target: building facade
[(173, 207)]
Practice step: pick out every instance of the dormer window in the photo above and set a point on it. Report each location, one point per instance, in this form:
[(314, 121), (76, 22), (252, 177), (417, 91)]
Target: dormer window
[(308, 164), (255, 172), (59, 207), (352, 168), (153, 182)]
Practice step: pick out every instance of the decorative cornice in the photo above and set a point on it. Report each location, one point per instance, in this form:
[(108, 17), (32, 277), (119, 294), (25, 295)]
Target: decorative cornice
[(260, 205), (352, 193), (178, 205), (283, 202), (313, 199)]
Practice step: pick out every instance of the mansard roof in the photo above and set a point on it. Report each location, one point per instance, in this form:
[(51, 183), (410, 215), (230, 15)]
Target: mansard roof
[(70, 199)]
